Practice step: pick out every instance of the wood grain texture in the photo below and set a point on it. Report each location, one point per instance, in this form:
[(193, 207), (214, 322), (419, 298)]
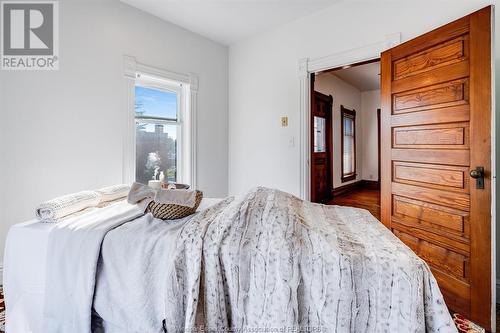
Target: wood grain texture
[(439, 35), (480, 128), (455, 291), (436, 99), (386, 138), (321, 162), (446, 198), (441, 55), (436, 96), (450, 114), (449, 136), (360, 197), (446, 260), (439, 75), (432, 237), (452, 178), (436, 156), (416, 213)]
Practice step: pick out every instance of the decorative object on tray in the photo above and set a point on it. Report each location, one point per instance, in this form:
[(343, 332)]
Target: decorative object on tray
[(166, 204), (174, 186), (156, 184), (159, 181)]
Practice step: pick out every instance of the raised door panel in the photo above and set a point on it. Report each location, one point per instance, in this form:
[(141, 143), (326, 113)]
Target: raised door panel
[(429, 216), (446, 136), (441, 258), (444, 198), (436, 96), (444, 177), (441, 55)]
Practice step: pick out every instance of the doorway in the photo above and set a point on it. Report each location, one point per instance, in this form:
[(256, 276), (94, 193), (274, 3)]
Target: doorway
[(321, 148), (354, 136)]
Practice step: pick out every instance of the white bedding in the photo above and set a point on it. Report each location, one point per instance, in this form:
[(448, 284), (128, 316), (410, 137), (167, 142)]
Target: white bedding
[(24, 275), (25, 271)]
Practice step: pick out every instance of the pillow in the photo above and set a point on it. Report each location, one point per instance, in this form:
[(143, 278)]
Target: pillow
[(112, 193), (55, 209)]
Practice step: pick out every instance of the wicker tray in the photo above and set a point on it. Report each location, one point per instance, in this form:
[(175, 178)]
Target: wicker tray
[(171, 211)]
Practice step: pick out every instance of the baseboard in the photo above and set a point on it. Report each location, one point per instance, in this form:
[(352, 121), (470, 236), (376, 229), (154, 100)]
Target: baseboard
[(346, 188), (370, 184)]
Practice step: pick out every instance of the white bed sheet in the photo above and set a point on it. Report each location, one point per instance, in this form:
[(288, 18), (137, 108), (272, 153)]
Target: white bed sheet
[(24, 276), (25, 271)]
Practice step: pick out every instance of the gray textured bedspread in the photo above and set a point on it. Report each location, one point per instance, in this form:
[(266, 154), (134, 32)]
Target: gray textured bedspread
[(266, 262)]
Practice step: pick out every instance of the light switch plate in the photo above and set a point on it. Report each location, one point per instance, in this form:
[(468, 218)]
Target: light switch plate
[(284, 121)]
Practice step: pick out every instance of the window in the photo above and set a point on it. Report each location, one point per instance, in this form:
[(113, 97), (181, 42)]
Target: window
[(158, 129), (161, 124), (348, 143), (319, 135)]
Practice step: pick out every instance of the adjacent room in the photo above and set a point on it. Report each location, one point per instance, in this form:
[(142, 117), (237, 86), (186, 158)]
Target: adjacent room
[(249, 166), (346, 119)]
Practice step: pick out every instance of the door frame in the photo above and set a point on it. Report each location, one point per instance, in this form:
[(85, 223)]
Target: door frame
[(308, 66), (379, 147)]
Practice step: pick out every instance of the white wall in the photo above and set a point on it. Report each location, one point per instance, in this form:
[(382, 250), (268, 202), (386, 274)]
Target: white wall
[(350, 97), (370, 102), (62, 131)]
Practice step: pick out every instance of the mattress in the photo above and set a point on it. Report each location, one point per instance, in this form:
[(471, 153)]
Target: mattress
[(25, 271)]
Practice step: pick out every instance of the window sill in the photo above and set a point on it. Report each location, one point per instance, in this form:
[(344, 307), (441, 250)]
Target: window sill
[(348, 178)]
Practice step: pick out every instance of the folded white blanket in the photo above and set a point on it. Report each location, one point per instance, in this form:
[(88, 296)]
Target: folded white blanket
[(143, 195), (55, 209), (185, 198), (73, 250), (112, 193)]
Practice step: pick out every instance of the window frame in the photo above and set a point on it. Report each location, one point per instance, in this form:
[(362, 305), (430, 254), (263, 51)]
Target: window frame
[(161, 79), (344, 113), (160, 84)]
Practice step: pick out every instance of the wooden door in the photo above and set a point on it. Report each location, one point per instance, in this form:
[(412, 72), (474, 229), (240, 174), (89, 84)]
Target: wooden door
[(436, 128), (321, 147)]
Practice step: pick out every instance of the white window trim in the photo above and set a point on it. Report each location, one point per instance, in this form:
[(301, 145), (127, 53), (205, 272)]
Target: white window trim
[(188, 99)]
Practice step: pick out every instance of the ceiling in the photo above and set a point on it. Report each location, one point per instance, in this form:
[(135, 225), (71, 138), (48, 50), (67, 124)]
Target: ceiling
[(229, 21), (364, 77)]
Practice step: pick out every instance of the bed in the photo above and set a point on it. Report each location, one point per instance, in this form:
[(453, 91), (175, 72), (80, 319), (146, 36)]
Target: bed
[(266, 260), (25, 261)]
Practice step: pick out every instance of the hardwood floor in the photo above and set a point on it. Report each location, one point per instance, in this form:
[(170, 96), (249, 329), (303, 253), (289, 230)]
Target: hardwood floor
[(361, 198)]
